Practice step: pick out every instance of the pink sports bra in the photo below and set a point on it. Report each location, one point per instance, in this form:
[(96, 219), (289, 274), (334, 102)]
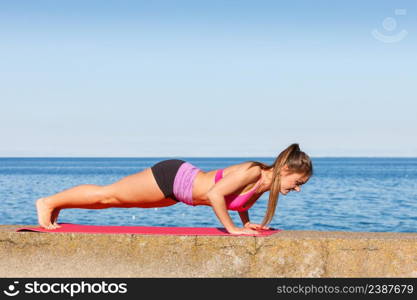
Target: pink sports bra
[(236, 202)]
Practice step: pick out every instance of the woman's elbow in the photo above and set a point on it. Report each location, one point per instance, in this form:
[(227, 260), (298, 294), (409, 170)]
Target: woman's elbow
[(209, 195), (212, 196)]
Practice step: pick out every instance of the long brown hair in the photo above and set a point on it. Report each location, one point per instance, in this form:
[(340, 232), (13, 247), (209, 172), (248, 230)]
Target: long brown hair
[(297, 162)]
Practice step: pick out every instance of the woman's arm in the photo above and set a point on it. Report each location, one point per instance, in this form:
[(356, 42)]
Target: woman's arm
[(229, 184), (219, 206), (244, 216)]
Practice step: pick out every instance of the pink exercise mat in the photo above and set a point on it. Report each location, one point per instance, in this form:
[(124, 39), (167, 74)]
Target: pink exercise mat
[(68, 227)]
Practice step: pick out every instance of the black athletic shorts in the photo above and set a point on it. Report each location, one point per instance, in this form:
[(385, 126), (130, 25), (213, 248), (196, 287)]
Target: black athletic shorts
[(164, 173)]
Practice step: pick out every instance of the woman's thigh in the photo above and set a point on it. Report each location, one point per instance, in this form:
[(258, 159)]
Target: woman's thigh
[(140, 189)]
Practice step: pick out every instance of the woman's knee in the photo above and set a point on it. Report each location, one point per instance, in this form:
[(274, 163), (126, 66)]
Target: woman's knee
[(106, 196)]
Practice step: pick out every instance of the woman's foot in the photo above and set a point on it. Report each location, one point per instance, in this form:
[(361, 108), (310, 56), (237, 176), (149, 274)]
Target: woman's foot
[(44, 214)]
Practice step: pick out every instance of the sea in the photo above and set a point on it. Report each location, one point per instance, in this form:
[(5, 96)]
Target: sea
[(359, 194)]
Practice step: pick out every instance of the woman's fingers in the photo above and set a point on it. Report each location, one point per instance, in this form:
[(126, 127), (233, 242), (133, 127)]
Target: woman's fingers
[(256, 226)]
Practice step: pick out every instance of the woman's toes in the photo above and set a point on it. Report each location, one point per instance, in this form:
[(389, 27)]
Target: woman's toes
[(50, 227)]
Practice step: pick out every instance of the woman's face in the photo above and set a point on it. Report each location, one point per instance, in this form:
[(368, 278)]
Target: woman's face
[(292, 181)]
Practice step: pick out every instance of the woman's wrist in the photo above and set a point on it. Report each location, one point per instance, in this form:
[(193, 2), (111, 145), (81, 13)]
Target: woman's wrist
[(231, 229)]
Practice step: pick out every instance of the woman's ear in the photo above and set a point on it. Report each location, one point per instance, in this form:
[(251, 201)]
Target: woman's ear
[(284, 170)]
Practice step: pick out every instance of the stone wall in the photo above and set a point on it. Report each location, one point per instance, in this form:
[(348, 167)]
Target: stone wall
[(285, 254)]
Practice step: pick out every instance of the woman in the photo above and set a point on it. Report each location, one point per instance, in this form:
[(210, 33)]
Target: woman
[(168, 182)]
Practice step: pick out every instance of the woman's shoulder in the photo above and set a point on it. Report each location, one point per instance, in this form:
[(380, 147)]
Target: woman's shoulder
[(246, 167)]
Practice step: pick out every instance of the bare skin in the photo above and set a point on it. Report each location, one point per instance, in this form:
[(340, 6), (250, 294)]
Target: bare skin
[(141, 190), (289, 181)]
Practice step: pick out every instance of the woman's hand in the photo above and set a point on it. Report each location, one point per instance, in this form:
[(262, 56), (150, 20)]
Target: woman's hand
[(255, 226), (238, 230)]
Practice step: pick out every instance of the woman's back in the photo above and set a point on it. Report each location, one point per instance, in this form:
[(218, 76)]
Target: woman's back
[(205, 181)]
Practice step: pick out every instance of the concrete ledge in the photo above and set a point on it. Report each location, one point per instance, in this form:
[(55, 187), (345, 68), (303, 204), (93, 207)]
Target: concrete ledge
[(285, 254)]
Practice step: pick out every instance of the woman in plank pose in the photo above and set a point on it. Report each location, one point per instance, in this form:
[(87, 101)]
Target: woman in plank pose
[(236, 187)]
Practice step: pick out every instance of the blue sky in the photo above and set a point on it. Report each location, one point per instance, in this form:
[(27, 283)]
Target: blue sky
[(212, 78)]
